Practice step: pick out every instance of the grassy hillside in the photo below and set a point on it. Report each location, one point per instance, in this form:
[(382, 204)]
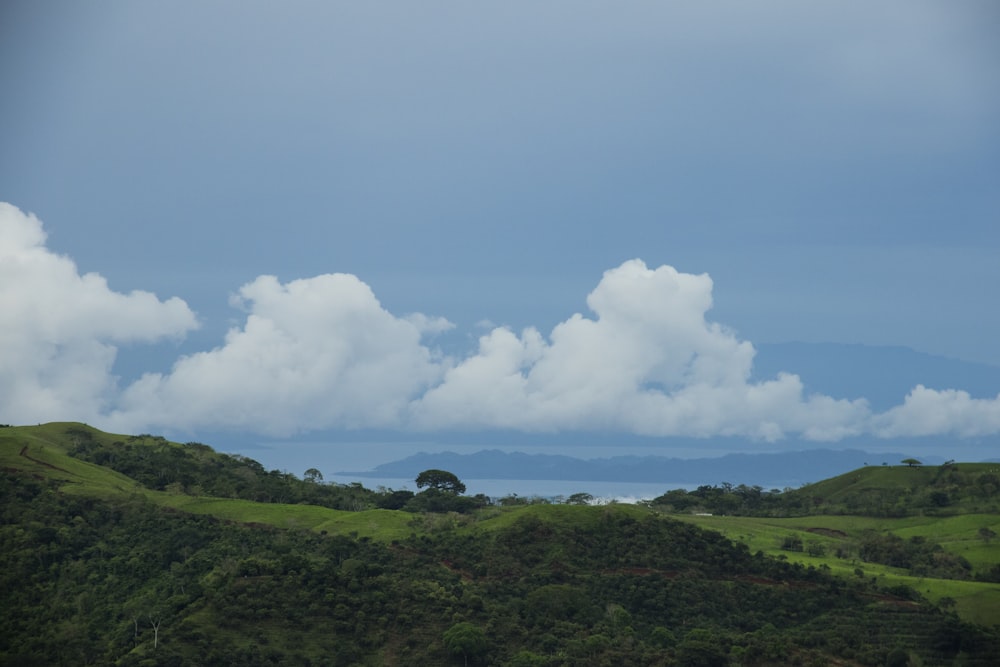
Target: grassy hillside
[(952, 488), (95, 558), (44, 452), (826, 535), (126, 582)]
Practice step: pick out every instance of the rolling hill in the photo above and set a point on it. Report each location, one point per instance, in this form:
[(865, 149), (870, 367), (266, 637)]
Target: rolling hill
[(134, 561)]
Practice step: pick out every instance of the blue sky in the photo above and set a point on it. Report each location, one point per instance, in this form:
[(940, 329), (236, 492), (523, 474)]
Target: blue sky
[(395, 210)]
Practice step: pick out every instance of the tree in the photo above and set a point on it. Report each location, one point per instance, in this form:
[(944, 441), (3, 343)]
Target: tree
[(700, 649), (939, 498), (897, 657), (527, 659), (440, 480), (394, 500), (313, 475), (465, 639), (791, 543), (911, 462), (815, 548), (154, 622)]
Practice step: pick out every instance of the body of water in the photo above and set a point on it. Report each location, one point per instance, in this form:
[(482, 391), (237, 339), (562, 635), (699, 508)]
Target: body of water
[(526, 488)]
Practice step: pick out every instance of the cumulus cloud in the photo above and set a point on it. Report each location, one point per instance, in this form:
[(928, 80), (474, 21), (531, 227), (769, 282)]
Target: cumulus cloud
[(322, 353), (946, 412), (312, 354), (59, 329), (648, 363)]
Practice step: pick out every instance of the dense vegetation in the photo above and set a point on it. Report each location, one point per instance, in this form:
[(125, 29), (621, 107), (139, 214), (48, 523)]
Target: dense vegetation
[(882, 491), (196, 469), (119, 578), (127, 582)]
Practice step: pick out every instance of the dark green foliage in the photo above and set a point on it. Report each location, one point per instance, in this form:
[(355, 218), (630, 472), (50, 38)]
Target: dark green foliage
[(526, 659), (947, 489), (920, 557), (197, 469), (700, 648), (991, 575), (898, 657), (394, 500), (815, 548), (791, 543), (466, 640), (434, 500), (440, 480), (580, 499), (442, 493), (94, 581)]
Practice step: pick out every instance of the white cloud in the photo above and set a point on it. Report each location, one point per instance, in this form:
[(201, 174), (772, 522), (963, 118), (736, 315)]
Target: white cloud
[(312, 354), (946, 412), (429, 325), (649, 363), (322, 353), (58, 328)]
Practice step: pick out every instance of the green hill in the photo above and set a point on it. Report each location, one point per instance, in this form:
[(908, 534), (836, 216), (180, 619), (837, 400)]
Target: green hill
[(190, 477), (134, 562), (929, 527), (951, 488)]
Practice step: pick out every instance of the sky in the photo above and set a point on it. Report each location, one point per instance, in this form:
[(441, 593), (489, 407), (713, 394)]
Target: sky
[(317, 219)]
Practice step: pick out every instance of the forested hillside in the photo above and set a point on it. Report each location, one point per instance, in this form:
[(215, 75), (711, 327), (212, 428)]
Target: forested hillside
[(109, 574), (878, 491)]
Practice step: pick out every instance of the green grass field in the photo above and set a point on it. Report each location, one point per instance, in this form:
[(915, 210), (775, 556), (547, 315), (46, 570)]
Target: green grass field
[(41, 451)]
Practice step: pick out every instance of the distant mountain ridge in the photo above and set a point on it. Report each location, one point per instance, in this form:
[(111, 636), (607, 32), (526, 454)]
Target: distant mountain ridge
[(785, 469)]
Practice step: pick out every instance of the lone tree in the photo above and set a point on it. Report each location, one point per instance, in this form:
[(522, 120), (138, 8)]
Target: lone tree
[(911, 462), (580, 499), (313, 475), (465, 639), (440, 480)]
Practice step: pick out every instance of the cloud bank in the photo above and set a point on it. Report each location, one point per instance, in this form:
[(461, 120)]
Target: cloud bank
[(647, 363), (312, 354), (322, 353), (59, 330)]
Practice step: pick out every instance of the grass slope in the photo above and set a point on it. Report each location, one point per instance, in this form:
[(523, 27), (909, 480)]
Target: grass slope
[(901, 478), (43, 451), (976, 601)]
